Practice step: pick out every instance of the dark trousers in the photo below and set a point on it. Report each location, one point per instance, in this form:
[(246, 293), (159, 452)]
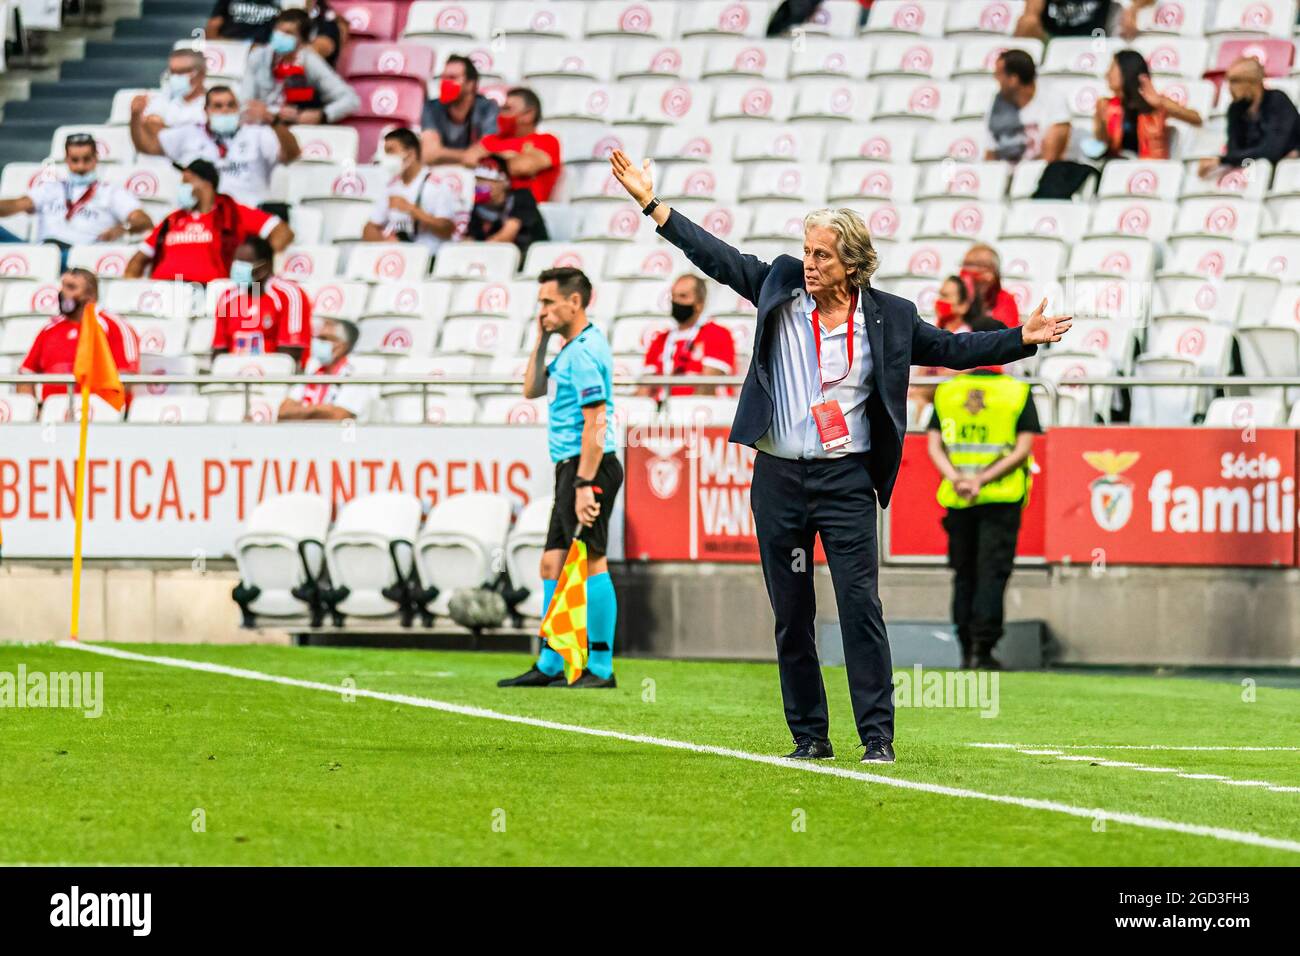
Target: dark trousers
[(793, 501), (981, 552)]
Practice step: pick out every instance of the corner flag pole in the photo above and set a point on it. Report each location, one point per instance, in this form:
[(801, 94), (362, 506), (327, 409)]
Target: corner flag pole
[(78, 511)]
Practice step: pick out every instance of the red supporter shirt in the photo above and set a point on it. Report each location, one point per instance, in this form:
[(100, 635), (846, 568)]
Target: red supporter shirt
[(191, 250), (689, 352), (55, 349), (279, 318), (544, 182), (1005, 310)]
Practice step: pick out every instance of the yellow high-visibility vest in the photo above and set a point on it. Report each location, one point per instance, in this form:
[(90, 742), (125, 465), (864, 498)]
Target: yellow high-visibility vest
[(977, 420)]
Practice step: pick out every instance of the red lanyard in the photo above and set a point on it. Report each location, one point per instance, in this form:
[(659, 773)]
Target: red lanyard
[(817, 338), (218, 141), (74, 207)]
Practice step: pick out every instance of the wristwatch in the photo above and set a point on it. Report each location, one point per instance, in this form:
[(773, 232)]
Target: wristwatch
[(651, 206)]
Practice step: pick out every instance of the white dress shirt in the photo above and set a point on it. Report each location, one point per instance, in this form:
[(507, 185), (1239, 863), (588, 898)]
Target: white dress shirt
[(796, 385)]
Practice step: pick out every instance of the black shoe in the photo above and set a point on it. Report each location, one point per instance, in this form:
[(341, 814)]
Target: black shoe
[(810, 749), (879, 750), (529, 678), (589, 681), (985, 662)]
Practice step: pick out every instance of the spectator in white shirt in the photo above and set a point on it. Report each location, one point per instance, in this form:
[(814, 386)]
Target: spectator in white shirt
[(78, 209), (1024, 121), (245, 147), (181, 101), (415, 209), (329, 356), (293, 80)]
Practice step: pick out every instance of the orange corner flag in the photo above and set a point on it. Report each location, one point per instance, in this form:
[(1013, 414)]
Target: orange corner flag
[(94, 367)]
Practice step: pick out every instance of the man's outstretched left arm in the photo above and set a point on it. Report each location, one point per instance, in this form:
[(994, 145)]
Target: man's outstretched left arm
[(932, 346)]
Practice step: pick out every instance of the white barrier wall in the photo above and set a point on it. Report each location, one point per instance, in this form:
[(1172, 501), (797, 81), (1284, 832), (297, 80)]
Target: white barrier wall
[(184, 491)]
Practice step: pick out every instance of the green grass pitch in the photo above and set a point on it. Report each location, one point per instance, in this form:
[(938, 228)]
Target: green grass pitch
[(286, 775)]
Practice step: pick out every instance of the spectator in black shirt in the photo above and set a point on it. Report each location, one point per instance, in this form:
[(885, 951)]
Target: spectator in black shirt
[(501, 213), (242, 20), (328, 31), (1262, 123), (1076, 18)]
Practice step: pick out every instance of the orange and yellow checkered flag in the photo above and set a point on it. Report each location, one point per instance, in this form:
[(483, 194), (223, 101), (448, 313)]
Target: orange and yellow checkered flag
[(564, 626)]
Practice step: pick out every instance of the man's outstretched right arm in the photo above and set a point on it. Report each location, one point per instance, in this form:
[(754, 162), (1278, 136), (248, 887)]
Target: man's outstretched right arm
[(711, 255)]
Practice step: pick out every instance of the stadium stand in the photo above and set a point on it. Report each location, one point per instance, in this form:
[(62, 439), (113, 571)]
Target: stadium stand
[(1171, 273)]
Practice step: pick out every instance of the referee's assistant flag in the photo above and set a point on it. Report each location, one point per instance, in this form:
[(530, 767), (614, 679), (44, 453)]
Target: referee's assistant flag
[(564, 626)]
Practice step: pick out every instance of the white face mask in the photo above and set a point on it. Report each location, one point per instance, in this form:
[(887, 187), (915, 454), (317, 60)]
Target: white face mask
[(392, 164)]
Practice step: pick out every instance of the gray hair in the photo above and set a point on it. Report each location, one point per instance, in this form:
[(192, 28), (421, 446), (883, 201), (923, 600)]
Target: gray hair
[(854, 243)]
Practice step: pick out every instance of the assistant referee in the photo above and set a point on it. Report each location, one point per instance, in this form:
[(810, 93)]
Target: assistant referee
[(579, 386)]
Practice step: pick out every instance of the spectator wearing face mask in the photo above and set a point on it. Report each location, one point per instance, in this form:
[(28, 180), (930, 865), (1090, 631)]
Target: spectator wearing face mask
[(533, 157), (78, 209), (242, 20), (981, 271), (55, 348), (292, 80), (197, 242), (459, 118), (694, 347), (502, 211), (245, 147), (414, 209), (330, 351), (261, 313), (182, 101)]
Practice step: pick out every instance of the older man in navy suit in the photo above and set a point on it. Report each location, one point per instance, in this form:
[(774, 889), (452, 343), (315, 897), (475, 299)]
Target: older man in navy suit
[(825, 404)]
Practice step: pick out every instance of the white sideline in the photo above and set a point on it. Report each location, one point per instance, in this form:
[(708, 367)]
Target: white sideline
[(1144, 768), (1050, 747), (1029, 803)]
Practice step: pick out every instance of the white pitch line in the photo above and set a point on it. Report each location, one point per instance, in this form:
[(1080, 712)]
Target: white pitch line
[(1047, 748), (1029, 803), (1144, 768)]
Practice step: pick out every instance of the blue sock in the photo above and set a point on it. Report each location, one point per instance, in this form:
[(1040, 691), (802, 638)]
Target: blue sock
[(549, 662), (602, 615)]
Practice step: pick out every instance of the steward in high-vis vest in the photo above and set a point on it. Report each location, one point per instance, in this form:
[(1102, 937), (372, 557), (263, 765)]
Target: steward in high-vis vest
[(980, 438)]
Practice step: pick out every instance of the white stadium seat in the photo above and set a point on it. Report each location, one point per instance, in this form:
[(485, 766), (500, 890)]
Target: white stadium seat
[(62, 408), (336, 298), (909, 17), (759, 59), (1245, 413), (301, 263), (512, 410), (387, 261), (37, 262), (371, 549), (145, 297), (281, 549), (29, 299), (16, 409), (396, 337), (462, 544), (481, 336), (721, 18), (523, 555), (168, 409), (634, 19), (485, 261), (18, 334)]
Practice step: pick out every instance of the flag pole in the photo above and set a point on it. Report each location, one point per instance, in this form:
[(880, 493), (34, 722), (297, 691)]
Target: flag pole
[(79, 510)]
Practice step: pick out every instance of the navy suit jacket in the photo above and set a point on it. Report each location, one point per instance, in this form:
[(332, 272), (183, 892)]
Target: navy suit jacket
[(899, 339)]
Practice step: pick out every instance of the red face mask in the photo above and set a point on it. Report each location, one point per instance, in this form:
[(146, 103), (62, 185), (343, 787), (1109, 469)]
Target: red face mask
[(943, 312), (971, 276), (449, 92), (507, 125)]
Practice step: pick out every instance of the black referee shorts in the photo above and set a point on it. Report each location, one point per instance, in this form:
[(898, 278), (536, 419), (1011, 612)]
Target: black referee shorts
[(564, 522)]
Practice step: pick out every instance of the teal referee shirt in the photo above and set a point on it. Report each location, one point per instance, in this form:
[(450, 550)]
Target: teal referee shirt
[(582, 374)]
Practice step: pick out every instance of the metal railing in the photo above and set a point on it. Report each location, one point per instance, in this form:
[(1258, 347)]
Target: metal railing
[(431, 385)]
